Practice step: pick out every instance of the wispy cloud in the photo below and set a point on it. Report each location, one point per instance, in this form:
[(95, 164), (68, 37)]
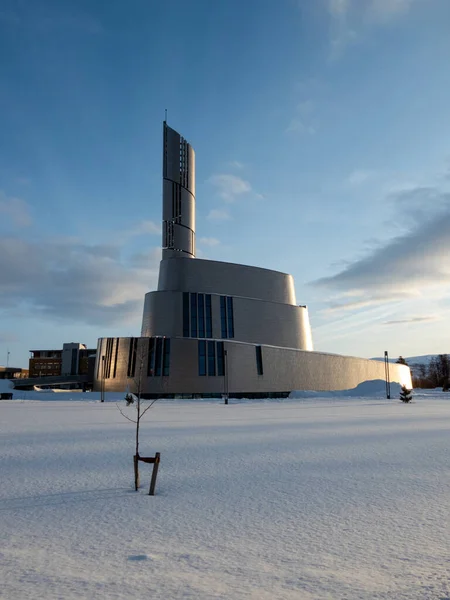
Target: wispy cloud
[(235, 164), (303, 121), (409, 265), (351, 20), (229, 187), (411, 320), (65, 279), (16, 209), (218, 214), (359, 176), (144, 228), (209, 241)]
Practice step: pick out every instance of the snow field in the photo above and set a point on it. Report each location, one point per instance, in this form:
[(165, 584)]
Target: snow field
[(301, 499)]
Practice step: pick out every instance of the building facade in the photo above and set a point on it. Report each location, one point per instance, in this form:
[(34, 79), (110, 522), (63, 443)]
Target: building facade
[(73, 359), (215, 328)]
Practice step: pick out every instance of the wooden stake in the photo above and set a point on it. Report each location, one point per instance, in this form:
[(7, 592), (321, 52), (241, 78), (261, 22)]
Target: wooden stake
[(154, 475)]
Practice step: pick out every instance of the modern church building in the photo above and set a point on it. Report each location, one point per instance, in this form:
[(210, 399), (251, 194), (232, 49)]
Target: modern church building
[(214, 328)]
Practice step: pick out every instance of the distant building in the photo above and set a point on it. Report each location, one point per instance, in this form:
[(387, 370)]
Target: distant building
[(12, 372), (215, 328), (73, 359)]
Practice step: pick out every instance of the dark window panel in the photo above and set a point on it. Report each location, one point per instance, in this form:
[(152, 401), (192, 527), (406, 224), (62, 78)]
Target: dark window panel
[(220, 359), (259, 361), (230, 313), (193, 315), (223, 317), (185, 314), (151, 357), (208, 315), (158, 356), (211, 358), (158, 352), (166, 357), (201, 315), (202, 357)]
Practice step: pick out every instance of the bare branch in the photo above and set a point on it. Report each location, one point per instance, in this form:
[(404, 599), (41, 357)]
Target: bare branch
[(124, 415), (148, 407)]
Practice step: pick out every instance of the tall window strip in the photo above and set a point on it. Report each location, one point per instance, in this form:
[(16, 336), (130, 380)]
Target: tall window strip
[(108, 357), (223, 317), (99, 357), (202, 357), (166, 357), (116, 356), (151, 357), (186, 314), (201, 315), (259, 360), (220, 359), (230, 317), (197, 315), (158, 357), (211, 358), (208, 315), (193, 315), (132, 357)]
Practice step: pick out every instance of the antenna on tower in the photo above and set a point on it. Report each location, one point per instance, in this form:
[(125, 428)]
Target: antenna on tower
[(165, 115)]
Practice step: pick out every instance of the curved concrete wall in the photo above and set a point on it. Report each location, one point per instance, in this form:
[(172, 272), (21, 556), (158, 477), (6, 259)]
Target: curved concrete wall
[(255, 321), (284, 370), (214, 277)]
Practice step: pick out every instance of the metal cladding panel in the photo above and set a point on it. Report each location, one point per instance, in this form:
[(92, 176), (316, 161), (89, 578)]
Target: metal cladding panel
[(255, 321), (187, 209), (183, 239), (191, 168), (163, 314), (178, 195), (171, 160), (284, 370), (214, 277)]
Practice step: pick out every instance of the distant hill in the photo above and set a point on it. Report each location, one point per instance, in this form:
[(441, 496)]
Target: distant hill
[(414, 361), (425, 359)]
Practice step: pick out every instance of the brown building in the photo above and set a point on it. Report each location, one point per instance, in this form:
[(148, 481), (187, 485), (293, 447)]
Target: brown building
[(13, 373), (44, 363), (73, 359)]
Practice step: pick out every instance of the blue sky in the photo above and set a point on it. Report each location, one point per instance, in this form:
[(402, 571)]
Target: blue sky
[(322, 140)]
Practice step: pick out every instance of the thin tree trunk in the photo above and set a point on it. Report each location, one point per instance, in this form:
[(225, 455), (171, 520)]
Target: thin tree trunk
[(136, 461)]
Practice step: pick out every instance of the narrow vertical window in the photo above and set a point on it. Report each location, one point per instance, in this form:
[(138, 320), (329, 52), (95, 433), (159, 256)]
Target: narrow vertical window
[(130, 372), (116, 356), (220, 363), (158, 352), (201, 315), (208, 315), (194, 315), (259, 361), (230, 317), (202, 357), (151, 357), (211, 358), (223, 316), (185, 314), (166, 357)]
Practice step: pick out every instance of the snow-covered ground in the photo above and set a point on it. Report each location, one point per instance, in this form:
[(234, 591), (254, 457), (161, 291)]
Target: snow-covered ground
[(323, 498)]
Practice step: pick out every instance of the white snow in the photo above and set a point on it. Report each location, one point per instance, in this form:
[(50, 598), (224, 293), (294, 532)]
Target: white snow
[(326, 498)]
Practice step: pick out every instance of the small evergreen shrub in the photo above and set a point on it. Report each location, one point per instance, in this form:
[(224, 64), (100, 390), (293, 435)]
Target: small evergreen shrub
[(405, 394)]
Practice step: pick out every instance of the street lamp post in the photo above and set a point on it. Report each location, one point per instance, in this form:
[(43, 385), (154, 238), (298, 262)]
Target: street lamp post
[(387, 375), (102, 383), (225, 379)]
